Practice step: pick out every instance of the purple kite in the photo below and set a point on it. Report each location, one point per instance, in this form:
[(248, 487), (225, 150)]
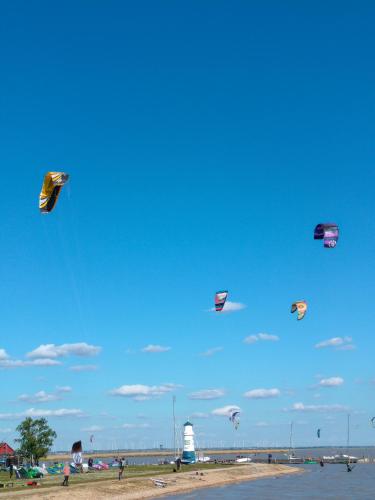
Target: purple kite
[(329, 232)]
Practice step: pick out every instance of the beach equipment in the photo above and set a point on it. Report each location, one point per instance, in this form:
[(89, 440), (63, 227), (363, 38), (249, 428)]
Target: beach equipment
[(220, 298), (73, 468), (77, 452), (301, 307), (329, 232), (52, 184), (160, 483)]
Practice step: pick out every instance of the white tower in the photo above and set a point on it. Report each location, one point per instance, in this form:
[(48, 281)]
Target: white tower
[(188, 455)]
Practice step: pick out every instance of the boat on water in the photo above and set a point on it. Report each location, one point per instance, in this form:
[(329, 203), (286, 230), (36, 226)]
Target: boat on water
[(242, 460), (202, 458), (340, 458)]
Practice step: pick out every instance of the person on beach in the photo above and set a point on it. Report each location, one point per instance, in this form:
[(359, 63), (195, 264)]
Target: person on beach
[(321, 463), (178, 463), (348, 468), (11, 470), (121, 467), (66, 472)]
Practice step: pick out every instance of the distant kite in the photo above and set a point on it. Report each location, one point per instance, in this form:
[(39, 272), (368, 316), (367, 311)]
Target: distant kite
[(372, 422), (234, 418), (329, 232), (53, 182), (91, 438), (318, 433), (301, 307), (220, 298)]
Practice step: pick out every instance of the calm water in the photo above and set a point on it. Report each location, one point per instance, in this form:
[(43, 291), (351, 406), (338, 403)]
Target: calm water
[(329, 482)]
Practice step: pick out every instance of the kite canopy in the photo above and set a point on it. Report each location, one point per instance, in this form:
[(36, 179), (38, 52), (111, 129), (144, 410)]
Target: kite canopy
[(234, 418), (220, 298), (77, 452), (318, 433), (77, 447), (301, 307), (372, 421), (329, 232), (52, 184)]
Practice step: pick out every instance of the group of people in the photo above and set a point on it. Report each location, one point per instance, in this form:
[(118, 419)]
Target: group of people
[(122, 463)]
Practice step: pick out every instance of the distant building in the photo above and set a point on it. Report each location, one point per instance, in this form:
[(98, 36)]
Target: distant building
[(5, 449), (188, 455)]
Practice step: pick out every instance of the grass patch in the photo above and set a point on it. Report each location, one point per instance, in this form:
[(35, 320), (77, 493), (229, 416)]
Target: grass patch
[(132, 471)]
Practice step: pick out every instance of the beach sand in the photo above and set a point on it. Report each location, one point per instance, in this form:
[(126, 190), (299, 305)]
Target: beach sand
[(144, 488)]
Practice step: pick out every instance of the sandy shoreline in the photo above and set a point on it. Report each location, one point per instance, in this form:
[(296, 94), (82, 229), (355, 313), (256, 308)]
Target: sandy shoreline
[(144, 488)]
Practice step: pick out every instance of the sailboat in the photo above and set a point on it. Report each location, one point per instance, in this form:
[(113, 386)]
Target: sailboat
[(343, 458), (291, 456)]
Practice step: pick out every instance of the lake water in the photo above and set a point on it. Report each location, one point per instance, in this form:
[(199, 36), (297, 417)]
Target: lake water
[(330, 482), (358, 452)]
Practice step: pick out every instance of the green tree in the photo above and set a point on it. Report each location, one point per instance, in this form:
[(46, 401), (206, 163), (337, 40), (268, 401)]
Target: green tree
[(36, 438)]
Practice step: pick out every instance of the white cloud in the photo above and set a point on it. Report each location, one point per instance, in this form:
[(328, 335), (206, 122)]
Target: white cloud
[(338, 343), (268, 336), (141, 392), (331, 382), (262, 393), (318, 408), (38, 397), (63, 412), (346, 347), (211, 352), (251, 339), (262, 424), (53, 351), (230, 307), (5, 430), (3, 354), (63, 388), (19, 363), (83, 368), (233, 306), (93, 428), (207, 394), (135, 426), (199, 415), (35, 413), (155, 348), (225, 411)]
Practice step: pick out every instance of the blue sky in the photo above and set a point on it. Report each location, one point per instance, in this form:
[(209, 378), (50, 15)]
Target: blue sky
[(204, 141)]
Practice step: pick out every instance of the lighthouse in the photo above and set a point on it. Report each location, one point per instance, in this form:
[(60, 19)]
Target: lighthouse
[(188, 455)]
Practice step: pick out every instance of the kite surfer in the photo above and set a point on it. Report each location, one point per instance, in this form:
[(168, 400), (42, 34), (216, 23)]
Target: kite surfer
[(121, 468)]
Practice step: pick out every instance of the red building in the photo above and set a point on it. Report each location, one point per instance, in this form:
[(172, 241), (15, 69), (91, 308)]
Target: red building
[(5, 449)]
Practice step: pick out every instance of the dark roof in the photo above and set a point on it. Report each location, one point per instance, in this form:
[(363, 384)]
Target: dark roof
[(188, 423)]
